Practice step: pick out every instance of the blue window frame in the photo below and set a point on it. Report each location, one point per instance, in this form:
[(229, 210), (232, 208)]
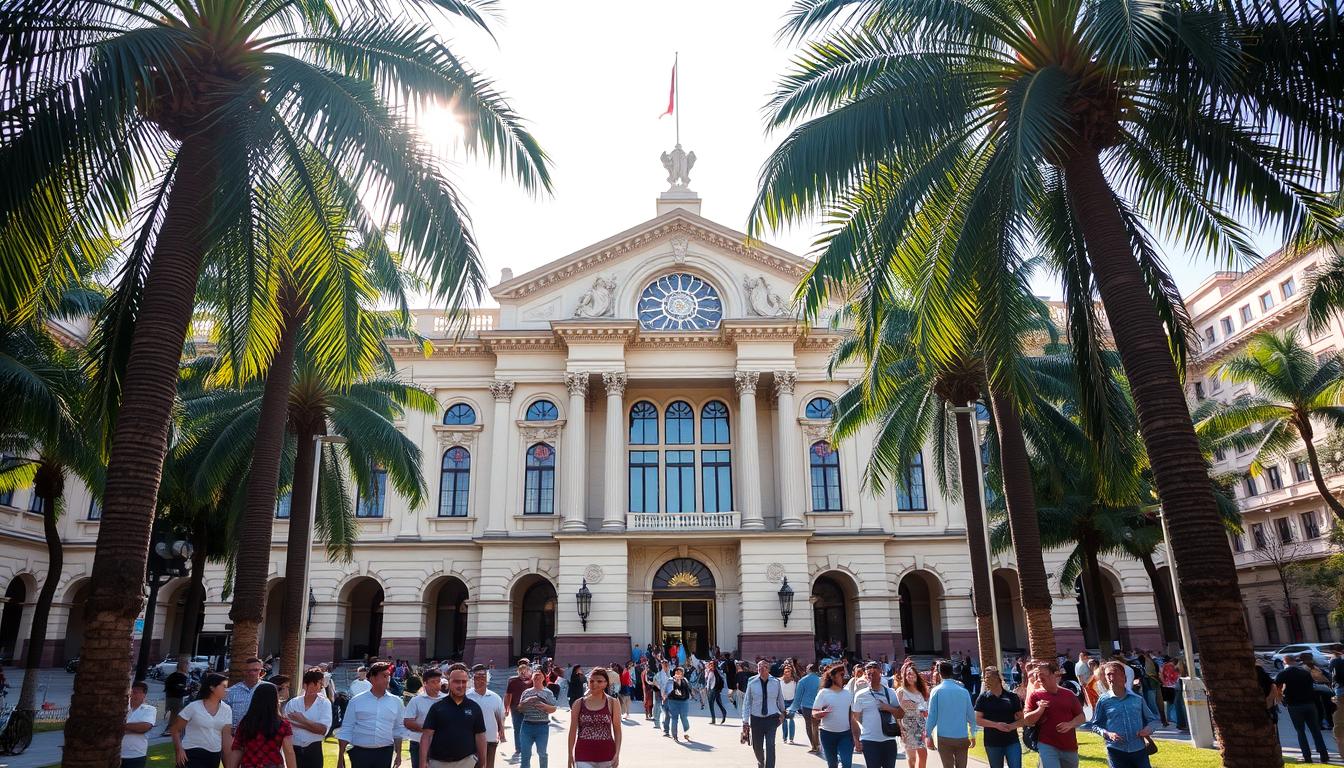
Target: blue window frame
[(539, 487), (542, 410), (714, 424), (644, 480), (282, 506), (716, 477), (95, 510), (459, 415), (373, 503), (911, 496), (825, 478), (680, 424), (34, 502), (820, 408), (643, 423), (454, 482), (7, 498), (680, 481)]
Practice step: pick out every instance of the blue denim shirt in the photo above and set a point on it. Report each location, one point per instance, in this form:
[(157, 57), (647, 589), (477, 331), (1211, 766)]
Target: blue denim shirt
[(806, 692), (1125, 715)]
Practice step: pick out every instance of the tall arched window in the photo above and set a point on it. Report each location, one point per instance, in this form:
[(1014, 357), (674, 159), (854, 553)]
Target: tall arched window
[(825, 477), (455, 482), (459, 415), (680, 424), (542, 410), (820, 408), (643, 424), (539, 488), (716, 464), (714, 424), (911, 495)]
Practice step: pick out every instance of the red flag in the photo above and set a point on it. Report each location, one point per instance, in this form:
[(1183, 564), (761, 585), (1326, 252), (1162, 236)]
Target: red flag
[(671, 93)]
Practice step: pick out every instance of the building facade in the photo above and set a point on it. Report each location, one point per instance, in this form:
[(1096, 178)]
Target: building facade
[(1284, 518), (645, 418)]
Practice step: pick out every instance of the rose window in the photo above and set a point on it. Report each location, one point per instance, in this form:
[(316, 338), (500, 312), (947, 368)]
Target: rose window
[(679, 302)]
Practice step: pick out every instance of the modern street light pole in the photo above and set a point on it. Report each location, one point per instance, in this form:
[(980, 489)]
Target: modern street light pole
[(318, 440), (168, 559)]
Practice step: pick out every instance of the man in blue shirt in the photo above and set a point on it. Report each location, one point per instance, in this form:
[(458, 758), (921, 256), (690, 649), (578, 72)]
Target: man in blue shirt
[(762, 705), (803, 698), (1124, 720), (952, 718)]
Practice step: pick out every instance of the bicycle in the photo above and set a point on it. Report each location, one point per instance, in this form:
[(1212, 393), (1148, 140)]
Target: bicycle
[(16, 728)]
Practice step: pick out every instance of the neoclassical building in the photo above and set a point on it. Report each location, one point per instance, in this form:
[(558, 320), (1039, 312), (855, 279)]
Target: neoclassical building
[(646, 418)]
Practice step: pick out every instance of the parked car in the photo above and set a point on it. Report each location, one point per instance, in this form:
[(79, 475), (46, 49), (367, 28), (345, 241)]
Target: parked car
[(1318, 651), (197, 665)]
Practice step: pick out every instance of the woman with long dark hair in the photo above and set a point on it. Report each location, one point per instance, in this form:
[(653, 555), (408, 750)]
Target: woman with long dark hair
[(575, 685), (264, 739), (595, 724), (205, 726)]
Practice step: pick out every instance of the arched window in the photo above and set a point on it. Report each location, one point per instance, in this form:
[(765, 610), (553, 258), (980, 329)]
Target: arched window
[(459, 415), (455, 482), (911, 495), (820, 408), (680, 424), (714, 424), (643, 424), (539, 489), (825, 477), (679, 302), (542, 410), (370, 503)]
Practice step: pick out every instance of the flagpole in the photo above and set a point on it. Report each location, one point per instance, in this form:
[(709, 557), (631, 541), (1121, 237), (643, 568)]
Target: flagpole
[(676, 90)]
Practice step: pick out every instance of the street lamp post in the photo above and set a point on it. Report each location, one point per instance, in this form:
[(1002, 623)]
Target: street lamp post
[(168, 559), (318, 440)]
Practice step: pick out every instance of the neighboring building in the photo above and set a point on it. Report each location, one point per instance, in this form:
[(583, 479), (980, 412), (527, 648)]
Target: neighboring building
[(644, 416), (1283, 515)]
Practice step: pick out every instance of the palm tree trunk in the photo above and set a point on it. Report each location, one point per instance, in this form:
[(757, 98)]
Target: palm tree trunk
[(981, 604), (263, 483), (49, 485), (1208, 576), (1166, 611), (1095, 596), (296, 550), (135, 467), (1020, 498), (1316, 476)]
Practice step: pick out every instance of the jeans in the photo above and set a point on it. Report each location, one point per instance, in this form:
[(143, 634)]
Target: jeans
[(517, 728), (763, 739), (1304, 717), (134, 762), (309, 756), (1056, 758), (657, 706), (838, 747), (716, 697), (880, 754), (1010, 756), (676, 710), (370, 757), (789, 729), (415, 753), (1117, 759), (534, 735)]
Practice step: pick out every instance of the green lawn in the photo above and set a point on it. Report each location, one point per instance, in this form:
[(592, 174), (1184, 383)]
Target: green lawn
[(1092, 752), (161, 755)]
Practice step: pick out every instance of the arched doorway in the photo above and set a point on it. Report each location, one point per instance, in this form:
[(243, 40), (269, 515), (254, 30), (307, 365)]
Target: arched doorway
[(683, 606), (833, 618), (447, 635), (273, 619), (921, 625), (1008, 609), (1089, 617), (76, 597), (11, 618), (1166, 607), (534, 616), (364, 618)]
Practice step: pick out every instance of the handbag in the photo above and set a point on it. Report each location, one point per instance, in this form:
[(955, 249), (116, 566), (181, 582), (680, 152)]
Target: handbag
[(890, 725), (1031, 737), (1149, 746)]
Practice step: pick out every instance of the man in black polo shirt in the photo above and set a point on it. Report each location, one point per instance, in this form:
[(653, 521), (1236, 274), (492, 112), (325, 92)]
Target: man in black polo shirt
[(453, 735), (1299, 698)]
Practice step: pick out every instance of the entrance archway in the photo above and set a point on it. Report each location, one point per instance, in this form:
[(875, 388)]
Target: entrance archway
[(16, 596), (76, 597), (364, 618), (272, 629), (1166, 607), (683, 606), (534, 616), (1088, 616), (833, 620), (447, 625), (1008, 608), (921, 626)]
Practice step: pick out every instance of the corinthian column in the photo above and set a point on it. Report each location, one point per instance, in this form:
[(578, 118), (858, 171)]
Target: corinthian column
[(789, 471), (613, 496), (745, 381), (575, 456), (496, 524)]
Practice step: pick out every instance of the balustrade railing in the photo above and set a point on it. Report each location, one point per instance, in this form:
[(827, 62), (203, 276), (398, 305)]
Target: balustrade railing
[(682, 521)]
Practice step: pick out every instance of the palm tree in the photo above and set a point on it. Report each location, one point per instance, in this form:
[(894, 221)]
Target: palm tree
[(1292, 390), (931, 128), (164, 122)]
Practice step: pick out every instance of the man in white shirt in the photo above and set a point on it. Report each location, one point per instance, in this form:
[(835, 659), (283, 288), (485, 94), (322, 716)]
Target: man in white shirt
[(1081, 670), (361, 682), (140, 719), (309, 715), (239, 695), (418, 707), (372, 724), (492, 709), (762, 708)]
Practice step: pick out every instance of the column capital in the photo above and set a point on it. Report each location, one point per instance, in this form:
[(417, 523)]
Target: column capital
[(745, 382), (785, 381), (502, 390), (577, 383), (615, 382)]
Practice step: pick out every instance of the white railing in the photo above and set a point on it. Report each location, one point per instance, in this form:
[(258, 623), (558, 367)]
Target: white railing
[(681, 521), (437, 324)]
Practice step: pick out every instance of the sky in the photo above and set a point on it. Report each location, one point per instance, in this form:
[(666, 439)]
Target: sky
[(591, 79)]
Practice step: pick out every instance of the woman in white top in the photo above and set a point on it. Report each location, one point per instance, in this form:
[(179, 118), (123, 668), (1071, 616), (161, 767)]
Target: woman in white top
[(913, 695), (204, 726), (831, 709), (788, 686)]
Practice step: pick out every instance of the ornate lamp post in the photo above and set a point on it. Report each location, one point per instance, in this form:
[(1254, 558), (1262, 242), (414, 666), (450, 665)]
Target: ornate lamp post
[(785, 600), (584, 597), (171, 558)]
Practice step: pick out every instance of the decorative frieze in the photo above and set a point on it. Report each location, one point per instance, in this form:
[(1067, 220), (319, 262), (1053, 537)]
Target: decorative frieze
[(454, 435)]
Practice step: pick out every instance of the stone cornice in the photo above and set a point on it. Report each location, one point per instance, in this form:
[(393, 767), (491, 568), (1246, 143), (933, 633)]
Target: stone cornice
[(818, 340), (521, 341), (786, 329), (595, 331), (472, 347), (681, 340)]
